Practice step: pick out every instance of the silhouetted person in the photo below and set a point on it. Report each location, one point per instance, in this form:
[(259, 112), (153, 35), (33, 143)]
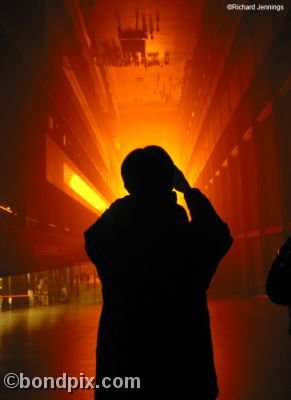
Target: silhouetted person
[(155, 267), (278, 285)]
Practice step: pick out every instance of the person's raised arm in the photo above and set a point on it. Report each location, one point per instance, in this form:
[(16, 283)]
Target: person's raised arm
[(209, 231)]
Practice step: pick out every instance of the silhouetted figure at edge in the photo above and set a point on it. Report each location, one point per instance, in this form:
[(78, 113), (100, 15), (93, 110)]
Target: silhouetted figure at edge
[(155, 267)]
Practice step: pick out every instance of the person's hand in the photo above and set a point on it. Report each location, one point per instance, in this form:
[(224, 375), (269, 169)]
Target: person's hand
[(180, 182)]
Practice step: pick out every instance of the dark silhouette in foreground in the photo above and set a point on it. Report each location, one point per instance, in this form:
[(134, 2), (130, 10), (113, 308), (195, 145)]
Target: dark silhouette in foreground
[(278, 285), (155, 267)]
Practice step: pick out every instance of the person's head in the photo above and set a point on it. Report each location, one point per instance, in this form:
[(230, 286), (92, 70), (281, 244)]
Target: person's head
[(148, 170)]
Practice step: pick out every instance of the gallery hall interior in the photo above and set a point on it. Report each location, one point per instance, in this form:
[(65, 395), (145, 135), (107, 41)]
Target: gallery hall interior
[(83, 83)]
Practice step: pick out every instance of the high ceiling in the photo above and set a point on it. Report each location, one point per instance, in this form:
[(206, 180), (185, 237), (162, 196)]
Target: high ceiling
[(147, 95)]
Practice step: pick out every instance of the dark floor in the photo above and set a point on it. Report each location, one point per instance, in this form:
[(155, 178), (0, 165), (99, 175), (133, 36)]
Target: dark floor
[(252, 348)]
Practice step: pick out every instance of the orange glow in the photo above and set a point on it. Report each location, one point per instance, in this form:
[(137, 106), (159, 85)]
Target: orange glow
[(234, 151), (7, 209), (10, 296), (83, 189), (88, 194), (72, 78)]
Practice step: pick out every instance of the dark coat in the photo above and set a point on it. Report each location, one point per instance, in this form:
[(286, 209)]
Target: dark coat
[(155, 267), (278, 285)]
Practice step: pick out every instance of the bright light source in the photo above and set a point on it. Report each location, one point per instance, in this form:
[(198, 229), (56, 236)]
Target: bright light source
[(7, 209), (79, 186), (88, 194)]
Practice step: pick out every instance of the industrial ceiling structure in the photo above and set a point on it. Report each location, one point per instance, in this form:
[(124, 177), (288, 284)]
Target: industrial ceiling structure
[(144, 47)]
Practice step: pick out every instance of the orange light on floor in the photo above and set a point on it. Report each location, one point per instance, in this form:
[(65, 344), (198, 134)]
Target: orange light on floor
[(83, 189)]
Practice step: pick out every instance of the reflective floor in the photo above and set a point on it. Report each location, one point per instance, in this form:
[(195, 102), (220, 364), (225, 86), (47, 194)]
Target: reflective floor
[(252, 348)]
